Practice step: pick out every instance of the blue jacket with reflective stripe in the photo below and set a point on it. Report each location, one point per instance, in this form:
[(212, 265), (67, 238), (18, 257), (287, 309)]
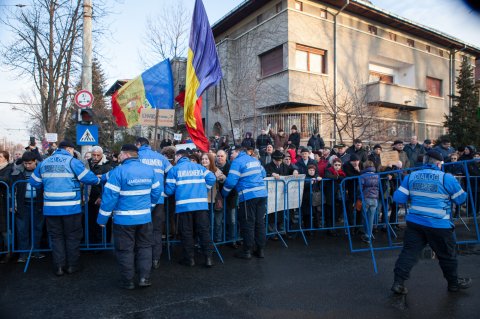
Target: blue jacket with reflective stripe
[(431, 192), (190, 183), (160, 164), (246, 175), (60, 175), (131, 190)]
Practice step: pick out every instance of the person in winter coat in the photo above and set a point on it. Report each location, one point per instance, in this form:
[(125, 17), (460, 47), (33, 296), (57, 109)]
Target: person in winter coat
[(293, 153), (357, 149), (353, 168), (374, 157), (402, 155), (190, 182), (248, 141), (316, 142), (414, 151), (208, 161), (99, 165), (333, 195), (263, 140), (311, 185), (28, 201), (369, 186), (60, 176), (131, 190), (294, 137), (6, 169), (303, 163), (246, 176), (323, 161), (279, 140), (161, 166)]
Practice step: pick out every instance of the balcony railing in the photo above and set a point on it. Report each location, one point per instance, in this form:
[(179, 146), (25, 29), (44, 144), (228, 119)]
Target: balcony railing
[(393, 95)]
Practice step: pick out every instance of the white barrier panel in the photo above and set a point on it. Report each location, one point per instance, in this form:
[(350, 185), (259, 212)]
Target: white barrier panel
[(276, 193)]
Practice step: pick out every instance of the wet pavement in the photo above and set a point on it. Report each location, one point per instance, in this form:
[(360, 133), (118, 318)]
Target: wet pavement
[(321, 280)]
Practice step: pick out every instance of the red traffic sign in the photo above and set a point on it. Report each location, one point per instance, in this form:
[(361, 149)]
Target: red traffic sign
[(83, 98)]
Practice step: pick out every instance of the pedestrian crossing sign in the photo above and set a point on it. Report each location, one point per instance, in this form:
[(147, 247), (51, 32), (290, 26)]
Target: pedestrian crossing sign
[(87, 134)]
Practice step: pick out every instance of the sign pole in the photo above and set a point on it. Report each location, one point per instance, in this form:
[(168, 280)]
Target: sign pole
[(87, 52), (155, 131)]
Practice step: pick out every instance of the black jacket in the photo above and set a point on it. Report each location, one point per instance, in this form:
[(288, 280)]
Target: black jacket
[(302, 168), (100, 168), (361, 153), (294, 138), (232, 196), (20, 189), (263, 140), (282, 170), (316, 142)]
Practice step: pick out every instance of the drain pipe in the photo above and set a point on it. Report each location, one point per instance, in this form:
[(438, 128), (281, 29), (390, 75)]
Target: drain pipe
[(451, 74), (335, 110)]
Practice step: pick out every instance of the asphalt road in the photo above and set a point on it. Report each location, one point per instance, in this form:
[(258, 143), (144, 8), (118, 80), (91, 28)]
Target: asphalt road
[(322, 280)]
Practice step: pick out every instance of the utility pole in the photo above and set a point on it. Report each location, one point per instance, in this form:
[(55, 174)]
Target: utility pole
[(87, 51)]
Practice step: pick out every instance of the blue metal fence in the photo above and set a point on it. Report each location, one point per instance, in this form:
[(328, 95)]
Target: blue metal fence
[(324, 205)]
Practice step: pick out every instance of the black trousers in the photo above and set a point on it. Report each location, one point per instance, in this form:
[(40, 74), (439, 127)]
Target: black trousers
[(94, 230), (133, 248), (158, 220), (251, 216), (442, 242), (200, 221), (65, 233)]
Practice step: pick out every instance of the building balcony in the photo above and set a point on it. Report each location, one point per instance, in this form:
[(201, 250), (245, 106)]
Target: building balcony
[(396, 96)]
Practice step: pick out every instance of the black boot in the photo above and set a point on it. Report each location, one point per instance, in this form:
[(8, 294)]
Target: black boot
[(189, 262), (259, 253), (144, 282), (243, 254), (461, 283), (59, 271), (209, 262)]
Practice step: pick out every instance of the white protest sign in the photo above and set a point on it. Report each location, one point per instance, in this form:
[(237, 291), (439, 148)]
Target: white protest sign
[(185, 146), (177, 137), (51, 137)]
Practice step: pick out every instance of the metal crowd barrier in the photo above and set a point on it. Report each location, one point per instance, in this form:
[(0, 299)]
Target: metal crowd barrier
[(5, 248), (285, 221)]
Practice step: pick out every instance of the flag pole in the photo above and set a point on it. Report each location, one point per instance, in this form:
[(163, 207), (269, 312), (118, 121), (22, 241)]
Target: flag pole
[(228, 108)]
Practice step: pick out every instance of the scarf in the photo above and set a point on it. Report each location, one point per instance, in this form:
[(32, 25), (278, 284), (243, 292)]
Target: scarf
[(340, 172)]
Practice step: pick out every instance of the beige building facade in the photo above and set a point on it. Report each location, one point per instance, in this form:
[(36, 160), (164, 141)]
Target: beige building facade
[(315, 64)]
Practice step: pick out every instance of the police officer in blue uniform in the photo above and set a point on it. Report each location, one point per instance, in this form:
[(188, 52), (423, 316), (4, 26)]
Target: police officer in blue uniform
[(246, 176), (431, 193), (190, 183), (60, 175), (129, 193), (161, 166)]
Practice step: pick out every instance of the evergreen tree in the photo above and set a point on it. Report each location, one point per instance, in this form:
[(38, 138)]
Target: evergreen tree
[(102, 110), (463, 124)]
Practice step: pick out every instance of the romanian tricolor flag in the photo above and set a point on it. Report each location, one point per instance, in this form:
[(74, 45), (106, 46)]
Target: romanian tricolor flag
[(152, 89), (203, 70)]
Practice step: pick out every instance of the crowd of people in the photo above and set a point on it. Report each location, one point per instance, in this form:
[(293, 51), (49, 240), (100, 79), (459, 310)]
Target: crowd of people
[(132, 187)]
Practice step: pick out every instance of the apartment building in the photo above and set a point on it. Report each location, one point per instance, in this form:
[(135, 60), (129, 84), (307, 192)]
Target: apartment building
[(346, 68)]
